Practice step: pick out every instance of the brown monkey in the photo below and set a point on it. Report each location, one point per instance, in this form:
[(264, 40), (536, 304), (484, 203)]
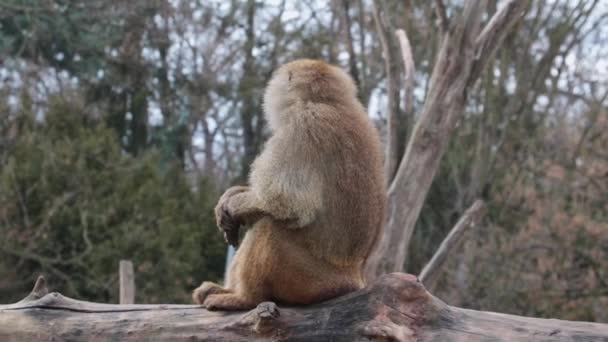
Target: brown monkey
[(316, 197)]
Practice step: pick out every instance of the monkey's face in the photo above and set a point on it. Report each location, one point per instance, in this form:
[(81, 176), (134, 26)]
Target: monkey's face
[(301, 81)]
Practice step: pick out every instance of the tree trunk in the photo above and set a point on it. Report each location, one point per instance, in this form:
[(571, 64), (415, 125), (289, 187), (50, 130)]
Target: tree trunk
[(465, 51), (395, 308), (251, 119)]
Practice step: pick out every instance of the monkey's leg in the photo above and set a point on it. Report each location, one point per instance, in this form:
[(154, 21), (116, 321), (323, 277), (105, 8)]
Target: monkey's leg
[(246, 276), (206, 289), (247, 293), (302, 278)]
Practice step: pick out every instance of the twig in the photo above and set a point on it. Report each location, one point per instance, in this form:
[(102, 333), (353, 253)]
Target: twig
[(494, 32), (39, 290), (433, 268), (410, 71), (444, 22)]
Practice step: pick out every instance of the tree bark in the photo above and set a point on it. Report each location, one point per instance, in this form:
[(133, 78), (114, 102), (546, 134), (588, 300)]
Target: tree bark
[(251, 118), (395, 308), (465, 51)]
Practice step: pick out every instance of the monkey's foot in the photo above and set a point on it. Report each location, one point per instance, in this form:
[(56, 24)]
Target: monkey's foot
[(266, 314), (207, 288), (228, 302)]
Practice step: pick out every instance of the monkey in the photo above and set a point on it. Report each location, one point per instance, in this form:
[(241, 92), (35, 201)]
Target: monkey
[(316, 196)]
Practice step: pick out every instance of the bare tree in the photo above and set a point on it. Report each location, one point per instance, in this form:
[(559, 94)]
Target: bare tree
[(465, 51)]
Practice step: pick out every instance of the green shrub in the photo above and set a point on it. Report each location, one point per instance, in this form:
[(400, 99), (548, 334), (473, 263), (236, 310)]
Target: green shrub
[(72, 204)]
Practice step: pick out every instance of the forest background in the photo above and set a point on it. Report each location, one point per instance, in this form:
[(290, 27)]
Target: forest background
[(122, 122)]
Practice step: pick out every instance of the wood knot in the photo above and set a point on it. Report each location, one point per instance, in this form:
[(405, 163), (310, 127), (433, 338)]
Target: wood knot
[(406, 286), (40, 290), (266, 314)]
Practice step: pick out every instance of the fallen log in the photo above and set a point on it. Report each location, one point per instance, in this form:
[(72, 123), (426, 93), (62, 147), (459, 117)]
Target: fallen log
[(395, 308)]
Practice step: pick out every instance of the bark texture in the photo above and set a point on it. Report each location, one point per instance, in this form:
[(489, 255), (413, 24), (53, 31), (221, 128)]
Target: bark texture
[(395, 308)]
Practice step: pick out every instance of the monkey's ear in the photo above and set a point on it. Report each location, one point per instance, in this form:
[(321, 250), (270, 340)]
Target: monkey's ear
[(290, 74)]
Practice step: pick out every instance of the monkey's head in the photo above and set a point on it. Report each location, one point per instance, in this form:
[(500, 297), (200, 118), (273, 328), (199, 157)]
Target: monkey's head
[(305, 80)]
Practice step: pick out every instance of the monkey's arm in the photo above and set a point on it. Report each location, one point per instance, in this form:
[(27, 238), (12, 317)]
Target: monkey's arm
[(297, 210), (285, 184), (293, 197), (289, 191), (244, 207)]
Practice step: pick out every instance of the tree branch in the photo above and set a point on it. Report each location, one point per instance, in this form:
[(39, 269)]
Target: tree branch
[(352, 58), (444, 22), (410, 72), (393, 153), (40, 290), (494, 32), (430, 273)]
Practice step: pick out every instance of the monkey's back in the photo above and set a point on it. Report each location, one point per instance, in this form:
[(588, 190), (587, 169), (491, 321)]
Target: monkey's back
[(346, 146)]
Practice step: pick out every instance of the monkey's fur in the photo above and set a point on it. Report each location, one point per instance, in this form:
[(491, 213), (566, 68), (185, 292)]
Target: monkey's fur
[(316, 198)]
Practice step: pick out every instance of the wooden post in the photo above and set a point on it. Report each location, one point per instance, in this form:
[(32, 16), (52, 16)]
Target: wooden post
[(229, 257), (127, 282)]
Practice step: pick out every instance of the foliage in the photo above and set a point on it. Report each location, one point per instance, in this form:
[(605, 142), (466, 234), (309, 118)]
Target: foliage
[(529, 146), (547, 244), (73, 205)]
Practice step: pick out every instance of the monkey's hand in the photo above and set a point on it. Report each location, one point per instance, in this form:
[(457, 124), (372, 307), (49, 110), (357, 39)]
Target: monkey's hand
[(226, 221), (229, 226)]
